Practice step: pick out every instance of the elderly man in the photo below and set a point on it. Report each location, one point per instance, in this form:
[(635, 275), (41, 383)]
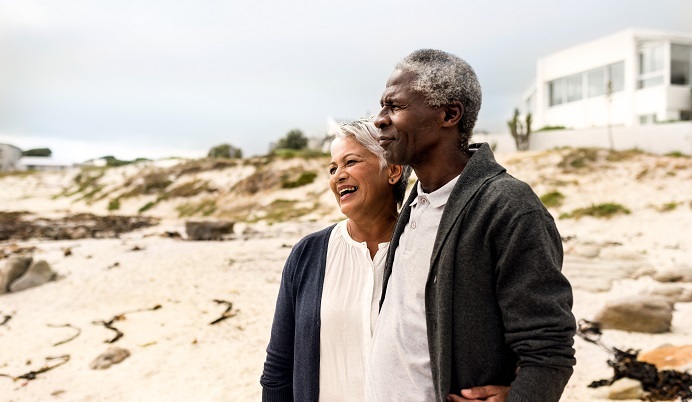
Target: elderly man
[(474, 305)]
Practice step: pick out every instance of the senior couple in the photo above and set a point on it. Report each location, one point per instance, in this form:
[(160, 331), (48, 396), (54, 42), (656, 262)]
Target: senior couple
[(458, 298)]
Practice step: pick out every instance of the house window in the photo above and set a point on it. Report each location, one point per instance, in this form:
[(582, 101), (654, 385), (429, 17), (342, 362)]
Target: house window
[(650, 66), (616, 75), (680, 64), (556, 89), (647, 119), (574, 87), (595, 82)]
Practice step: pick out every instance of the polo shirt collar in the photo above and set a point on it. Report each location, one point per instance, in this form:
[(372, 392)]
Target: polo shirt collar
[(437, 198)]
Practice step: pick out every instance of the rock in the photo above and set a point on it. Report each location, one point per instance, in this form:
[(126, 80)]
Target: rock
[(672, 292), (624, 389), (678, 274), (16, 266), (111, 356), (208, 230), (669, 357), (38, 273), (649, 314)]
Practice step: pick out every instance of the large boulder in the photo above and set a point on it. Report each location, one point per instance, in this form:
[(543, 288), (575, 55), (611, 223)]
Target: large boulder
[(649, 314), (208, 230), (675, 293), (38, 273), (16, 266)]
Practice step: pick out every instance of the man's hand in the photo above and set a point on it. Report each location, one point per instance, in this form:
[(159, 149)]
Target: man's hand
[(488, 393)]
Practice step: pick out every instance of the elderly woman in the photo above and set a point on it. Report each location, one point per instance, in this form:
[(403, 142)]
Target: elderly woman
[(328, 301)]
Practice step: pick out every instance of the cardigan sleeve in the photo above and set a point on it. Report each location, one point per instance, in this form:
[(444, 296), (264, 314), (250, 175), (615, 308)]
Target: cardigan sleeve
[(277, 377), (536, 302)]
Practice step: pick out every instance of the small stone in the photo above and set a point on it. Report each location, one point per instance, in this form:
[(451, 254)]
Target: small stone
[(625, 389), (113, 355)]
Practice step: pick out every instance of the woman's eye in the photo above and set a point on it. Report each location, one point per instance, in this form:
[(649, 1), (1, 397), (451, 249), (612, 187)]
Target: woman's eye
[(332, 170), (351, 162)]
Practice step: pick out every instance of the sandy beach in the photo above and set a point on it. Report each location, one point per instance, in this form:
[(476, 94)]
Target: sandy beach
[(177, 355)]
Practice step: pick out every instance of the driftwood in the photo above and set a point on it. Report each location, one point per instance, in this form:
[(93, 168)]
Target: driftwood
[(32, 375), (226, 314), (79, 331), (663, 385), (5, 319), (120, 317)]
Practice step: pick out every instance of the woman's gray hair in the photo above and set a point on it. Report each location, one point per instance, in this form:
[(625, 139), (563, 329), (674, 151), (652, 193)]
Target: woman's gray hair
[(441, 78), (366, 134)]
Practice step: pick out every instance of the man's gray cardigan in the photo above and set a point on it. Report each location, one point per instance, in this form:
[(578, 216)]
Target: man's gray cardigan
[(498, 309)]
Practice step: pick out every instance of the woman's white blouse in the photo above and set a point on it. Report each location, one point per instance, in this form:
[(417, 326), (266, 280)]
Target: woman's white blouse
[(350, 305)]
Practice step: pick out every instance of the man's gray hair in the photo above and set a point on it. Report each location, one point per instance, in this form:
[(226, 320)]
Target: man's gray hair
[(366, 134), (442, 77)]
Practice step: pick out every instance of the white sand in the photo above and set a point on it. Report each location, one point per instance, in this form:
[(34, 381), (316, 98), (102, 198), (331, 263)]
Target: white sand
[(177, 356)]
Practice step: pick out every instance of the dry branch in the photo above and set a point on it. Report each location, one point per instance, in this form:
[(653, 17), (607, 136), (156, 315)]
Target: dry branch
[(226, 314), (79, 331), (109, 324)]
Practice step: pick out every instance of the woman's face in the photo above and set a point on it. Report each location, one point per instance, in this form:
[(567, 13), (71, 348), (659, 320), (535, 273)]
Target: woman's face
[(360, 186)]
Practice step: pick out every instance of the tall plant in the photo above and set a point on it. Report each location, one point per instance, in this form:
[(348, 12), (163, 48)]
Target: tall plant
[(521, 131)]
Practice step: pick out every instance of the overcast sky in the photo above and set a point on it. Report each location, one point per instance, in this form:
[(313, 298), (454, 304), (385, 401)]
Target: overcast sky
[(137, 78)]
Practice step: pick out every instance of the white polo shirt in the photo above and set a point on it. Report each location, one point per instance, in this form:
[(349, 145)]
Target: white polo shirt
[(399, 367)]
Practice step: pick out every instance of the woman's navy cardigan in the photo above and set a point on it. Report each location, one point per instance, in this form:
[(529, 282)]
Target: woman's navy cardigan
[(292, 369)]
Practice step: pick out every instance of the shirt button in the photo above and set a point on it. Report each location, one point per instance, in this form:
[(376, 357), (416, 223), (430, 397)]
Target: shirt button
[(413, 225)]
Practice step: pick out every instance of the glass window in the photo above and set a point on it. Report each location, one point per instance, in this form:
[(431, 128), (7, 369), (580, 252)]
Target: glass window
[(595, 81), (651, 60), (616, 74), (555, 88), (680, 64), (574, 87)]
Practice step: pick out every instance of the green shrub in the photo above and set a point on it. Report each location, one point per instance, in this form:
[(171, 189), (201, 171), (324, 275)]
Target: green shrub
[(667, 207), (605, 210), (552, 199), (204, 207), (149, 205), (550, 128), (305, 178), (677, 154), (579, 158), (114, 204)]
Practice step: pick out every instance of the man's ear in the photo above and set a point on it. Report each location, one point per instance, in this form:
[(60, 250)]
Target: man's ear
[(453, 112)]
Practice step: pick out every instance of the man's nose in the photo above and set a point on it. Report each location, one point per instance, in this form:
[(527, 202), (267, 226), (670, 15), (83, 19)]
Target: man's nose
[(381, 119)]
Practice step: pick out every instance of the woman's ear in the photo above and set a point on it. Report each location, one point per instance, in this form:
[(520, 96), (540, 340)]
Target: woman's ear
[(394, 173), (453, 112)]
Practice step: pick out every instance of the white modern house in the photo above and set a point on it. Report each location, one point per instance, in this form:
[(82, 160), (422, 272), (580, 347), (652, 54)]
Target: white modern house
[(630, 78), (9, 156)]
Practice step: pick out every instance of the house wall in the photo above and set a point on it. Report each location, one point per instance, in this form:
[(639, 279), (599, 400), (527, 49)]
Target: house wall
[(630, 106), (9, 156), (655, 138)]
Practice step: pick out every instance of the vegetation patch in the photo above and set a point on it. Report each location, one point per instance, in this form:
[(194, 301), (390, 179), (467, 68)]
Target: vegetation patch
[(303, 179), (617, 156), (578, 158), (298, 153), (605, 210), (205, 207), (552, 199), (677, 154), (550, 128), (114, 204), (149, 205), (667, 207), (189, 189), (283, 210)]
